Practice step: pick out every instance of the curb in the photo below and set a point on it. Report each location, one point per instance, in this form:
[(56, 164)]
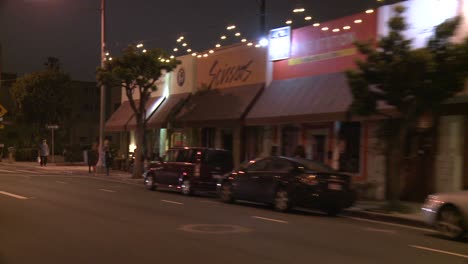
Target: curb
[(386, 218), (124, 179)]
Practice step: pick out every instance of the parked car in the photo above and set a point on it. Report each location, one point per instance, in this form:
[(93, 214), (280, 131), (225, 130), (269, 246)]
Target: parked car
[(285, 182), (189, 170), (448, 213)]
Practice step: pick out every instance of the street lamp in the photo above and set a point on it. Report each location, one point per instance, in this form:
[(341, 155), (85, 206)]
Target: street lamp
[(103, 89)]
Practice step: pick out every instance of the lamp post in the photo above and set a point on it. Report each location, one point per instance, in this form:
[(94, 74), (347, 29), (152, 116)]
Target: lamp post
[(103, 89)]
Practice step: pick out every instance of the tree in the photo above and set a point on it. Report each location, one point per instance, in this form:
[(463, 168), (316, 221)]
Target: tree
[(412, 81), (41, 98), (137, 73)]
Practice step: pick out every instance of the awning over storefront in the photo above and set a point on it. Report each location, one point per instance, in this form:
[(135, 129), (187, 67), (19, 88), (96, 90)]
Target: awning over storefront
[(219, 107), (119, 119), (169, 107), (309, 99), (151, 106)]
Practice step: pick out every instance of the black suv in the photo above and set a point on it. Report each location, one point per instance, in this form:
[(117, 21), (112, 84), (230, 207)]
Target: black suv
[(189, 170)]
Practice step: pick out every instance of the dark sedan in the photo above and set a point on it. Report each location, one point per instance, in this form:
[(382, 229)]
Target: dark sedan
[(285, 183)]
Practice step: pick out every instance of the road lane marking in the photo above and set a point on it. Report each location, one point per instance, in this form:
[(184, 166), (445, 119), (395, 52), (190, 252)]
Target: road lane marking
[(33, 172), (14, 195), (391, 224), (172, 202), (61, 182), (439, 251), (270, 219), (380, 230), (9, 171), (105, 190)]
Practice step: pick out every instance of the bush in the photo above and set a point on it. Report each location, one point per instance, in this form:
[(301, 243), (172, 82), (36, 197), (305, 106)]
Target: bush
[(25, 154)]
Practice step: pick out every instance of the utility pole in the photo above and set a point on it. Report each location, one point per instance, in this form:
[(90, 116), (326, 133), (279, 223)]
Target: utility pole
[(262, 17), (102, 115)]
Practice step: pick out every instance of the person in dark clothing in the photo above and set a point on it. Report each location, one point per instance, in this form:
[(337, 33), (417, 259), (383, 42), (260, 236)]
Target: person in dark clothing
[(107, 160), (93, 156)]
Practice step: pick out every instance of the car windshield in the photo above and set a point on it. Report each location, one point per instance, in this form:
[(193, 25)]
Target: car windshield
[(315, 166)]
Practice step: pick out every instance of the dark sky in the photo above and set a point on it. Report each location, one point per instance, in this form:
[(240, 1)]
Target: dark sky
[(31, 30)]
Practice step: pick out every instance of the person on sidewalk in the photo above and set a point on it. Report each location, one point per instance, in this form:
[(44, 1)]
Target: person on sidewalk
[(92, 158), (43, 152), (107, 160)]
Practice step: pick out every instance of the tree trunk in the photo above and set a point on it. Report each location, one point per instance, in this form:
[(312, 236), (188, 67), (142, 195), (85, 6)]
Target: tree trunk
[(394, 163), (138, 165)]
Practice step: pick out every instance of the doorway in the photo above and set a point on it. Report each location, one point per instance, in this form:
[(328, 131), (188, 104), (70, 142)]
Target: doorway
[(316, 145)]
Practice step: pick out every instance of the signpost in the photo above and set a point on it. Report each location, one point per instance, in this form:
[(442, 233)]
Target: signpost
[(52, 128)]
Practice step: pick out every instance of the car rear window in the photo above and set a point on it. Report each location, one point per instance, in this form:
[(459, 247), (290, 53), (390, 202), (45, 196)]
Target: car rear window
[(186, 155)]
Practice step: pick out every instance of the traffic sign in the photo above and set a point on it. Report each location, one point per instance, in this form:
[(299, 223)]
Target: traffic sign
[(3, 111), (52, 126)]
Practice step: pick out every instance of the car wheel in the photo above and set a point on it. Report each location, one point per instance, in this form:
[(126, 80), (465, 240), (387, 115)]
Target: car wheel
[(226, 193), (186, 187), (149, 183), (449, 223), (282, 200)]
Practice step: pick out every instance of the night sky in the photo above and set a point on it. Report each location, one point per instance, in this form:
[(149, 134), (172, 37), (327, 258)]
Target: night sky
[(31, 30)]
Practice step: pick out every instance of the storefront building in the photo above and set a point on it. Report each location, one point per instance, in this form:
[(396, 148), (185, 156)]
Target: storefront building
[(303, 112), (227, 85)]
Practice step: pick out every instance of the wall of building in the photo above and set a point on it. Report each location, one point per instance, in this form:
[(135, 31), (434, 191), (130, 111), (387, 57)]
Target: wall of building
[(450, 156)]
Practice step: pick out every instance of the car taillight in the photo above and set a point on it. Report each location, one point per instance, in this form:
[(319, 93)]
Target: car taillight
[(196, 172)]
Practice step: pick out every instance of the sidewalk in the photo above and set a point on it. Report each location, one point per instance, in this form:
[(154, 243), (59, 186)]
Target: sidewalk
[(373, 210), (80, 169)]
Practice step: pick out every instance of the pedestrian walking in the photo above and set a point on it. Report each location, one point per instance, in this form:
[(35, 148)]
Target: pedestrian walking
[(107, 160), (43, 153)]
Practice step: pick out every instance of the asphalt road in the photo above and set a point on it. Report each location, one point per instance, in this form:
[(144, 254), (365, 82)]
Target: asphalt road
[(62, 217)]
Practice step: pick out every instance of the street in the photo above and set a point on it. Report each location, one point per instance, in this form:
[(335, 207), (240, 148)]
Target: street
[(52, 215)]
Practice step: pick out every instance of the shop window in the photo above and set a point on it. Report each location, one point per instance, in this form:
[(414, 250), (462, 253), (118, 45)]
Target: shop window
[(350, 147), (227, 139), (208, 137), (289, 141), (178, 139)]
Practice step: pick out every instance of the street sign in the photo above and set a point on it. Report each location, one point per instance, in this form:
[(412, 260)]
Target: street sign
[(3, 111), (52, 126)]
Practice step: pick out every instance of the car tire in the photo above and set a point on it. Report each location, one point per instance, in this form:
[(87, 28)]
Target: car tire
[(282, 201), (226, 193), (186, 188), (450, 222), (150, 183)]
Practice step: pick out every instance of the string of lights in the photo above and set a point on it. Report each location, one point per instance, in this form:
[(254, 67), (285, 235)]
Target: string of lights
[(233, 35)]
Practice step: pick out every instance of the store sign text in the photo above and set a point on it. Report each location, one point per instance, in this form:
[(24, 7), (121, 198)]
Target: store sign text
[(227, 74)]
